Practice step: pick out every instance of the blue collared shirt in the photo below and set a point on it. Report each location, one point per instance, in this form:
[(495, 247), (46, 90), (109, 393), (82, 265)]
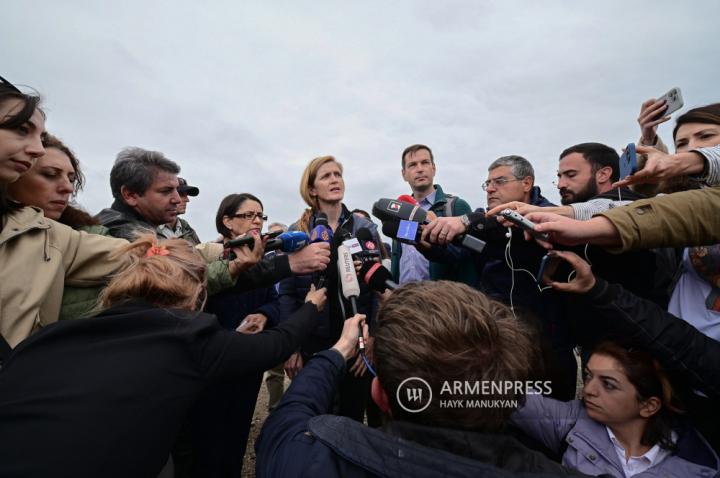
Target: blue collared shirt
[(413, 265)]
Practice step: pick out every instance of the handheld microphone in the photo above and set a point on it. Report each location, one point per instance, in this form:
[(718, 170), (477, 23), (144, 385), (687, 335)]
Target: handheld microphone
[(321, 233), (409, 232), (350, 285), (370, 249), (249, 240), (377, 277), (290, 241), (390, 209), (431, 216)]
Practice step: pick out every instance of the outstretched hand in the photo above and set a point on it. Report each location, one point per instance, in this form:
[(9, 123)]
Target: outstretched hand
[(571, 232), (661, 166)]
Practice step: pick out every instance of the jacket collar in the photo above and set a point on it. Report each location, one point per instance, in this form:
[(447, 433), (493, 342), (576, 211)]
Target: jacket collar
[(440, 197), (691, 447), (537, 199), (130, 213), (594, 435), (22, 220), (403, 449)]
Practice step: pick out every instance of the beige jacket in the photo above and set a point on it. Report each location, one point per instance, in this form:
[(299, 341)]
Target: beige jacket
[(38, 257)]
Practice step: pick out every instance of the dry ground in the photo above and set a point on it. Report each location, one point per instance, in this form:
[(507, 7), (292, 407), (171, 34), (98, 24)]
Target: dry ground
[(257, 422)]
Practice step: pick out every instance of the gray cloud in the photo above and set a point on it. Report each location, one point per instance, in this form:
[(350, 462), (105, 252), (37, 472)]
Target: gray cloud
[(244, 95)]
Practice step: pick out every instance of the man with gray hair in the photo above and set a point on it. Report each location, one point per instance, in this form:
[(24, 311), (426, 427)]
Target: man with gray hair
[(511, 178), (145, 187)]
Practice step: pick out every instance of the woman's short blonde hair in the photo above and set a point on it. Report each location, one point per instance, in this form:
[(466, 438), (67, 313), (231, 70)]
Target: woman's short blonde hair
[(167, 273)]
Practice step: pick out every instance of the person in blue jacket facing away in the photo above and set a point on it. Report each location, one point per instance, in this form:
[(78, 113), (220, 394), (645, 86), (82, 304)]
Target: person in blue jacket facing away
[(429, 336)]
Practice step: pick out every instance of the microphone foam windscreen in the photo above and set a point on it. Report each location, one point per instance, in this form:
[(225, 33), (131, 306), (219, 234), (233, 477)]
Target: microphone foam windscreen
[(346, 271)]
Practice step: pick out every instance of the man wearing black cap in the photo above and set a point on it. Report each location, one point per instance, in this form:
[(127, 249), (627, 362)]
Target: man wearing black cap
[(180, 227)]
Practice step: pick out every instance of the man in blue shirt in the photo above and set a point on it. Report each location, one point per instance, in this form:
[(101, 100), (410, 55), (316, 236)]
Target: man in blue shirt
[(408, 264)]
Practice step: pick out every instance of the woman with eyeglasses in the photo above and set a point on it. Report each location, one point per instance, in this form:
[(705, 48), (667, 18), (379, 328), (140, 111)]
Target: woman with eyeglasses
[(222, 417), (38, 256), (322, 187)]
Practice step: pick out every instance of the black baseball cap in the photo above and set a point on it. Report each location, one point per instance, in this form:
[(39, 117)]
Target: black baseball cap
[(184, 188)]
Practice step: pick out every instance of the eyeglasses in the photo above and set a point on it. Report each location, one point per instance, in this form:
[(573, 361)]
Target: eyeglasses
[(250, 215), (498, 182), (6, 82)]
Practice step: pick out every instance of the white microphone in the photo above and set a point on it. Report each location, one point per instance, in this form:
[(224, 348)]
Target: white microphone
[(349, 282), (348, 277)]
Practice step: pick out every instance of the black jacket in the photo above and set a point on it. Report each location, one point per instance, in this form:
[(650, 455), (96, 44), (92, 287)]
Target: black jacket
[(299, 440), (676, 343), (105, 396), (123, 221), (685, 352)]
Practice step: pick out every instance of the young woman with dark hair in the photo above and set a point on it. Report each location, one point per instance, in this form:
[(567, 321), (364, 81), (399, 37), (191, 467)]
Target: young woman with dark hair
[(38, 256), (51, 185), (624, 426)]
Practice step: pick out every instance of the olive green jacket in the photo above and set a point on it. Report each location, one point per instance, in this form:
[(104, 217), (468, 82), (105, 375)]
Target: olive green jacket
[(688, 218)]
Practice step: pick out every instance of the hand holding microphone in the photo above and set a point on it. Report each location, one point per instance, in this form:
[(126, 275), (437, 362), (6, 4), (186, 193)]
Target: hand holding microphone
[(349, 338), (245, 257), (321, 233), (443, 230), (402, 221), (315, 257)]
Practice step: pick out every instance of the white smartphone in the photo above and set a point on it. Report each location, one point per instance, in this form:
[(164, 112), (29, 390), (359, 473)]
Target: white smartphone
[(673, 101)]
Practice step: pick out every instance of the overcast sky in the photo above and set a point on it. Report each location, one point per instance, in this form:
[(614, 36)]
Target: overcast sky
[(243, 94)]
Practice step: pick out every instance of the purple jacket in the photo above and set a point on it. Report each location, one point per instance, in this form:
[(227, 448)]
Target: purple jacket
[(589, 449)]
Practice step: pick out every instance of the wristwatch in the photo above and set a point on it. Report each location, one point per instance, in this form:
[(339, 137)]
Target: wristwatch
[(466, 221)]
